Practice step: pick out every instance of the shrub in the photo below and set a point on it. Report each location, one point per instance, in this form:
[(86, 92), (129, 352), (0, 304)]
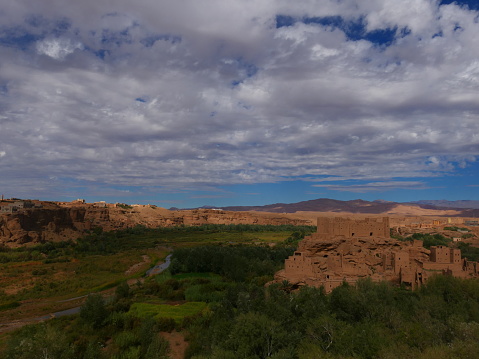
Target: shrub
[(166, 324), (9, 305), (124, 206), (94, 311), (39, 341), (126, 339), (122, 291)]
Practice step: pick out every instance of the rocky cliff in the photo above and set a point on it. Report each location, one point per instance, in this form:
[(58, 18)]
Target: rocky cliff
[(56, 222), (50, 224)]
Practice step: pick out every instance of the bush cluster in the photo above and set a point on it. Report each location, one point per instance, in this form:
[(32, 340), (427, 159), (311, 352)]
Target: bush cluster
[(369, 320)]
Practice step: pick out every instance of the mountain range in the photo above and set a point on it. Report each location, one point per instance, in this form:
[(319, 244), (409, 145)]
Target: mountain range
[(467, 207)]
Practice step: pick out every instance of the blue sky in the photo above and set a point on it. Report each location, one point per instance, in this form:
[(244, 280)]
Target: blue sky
[(187, 103)]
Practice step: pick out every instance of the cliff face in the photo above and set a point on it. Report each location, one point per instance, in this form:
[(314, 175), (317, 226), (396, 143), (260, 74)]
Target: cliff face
[(56, 223), (204, 216), (52, 224)]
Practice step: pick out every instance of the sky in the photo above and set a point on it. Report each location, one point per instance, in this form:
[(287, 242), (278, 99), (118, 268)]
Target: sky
[(184, 103)]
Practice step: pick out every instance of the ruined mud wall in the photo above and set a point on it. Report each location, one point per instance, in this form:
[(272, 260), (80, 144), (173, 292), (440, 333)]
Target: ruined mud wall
[(348, 228)]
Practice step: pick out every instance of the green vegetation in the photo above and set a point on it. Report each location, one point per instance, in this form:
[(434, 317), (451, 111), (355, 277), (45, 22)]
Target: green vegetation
[(468, 251), (124, 206), (98, 242), (176, 312), (371, 320), (74, 268), (430, 239), (215, 294), (9, 305), (94, 311), (297, 236), (36, 279), (70, 338), (458, 229), (234, 263)]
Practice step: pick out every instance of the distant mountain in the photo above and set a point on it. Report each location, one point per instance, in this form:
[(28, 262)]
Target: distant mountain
[(466, 208), (321, 205), (463, 204)]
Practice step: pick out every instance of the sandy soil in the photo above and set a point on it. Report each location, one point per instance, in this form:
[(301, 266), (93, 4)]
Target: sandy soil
[(177, 342), (404, 210), (400, 211)]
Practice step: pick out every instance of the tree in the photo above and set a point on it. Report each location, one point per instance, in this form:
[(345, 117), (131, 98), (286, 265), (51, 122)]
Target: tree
[(39, 341), (256, 335), (122, 291), (94, 311)]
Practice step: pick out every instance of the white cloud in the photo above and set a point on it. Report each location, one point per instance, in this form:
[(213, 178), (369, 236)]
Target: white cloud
[(417, 15), (57, 48), (225, 97)]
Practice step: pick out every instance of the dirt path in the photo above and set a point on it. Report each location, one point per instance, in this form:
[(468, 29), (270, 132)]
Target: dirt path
[(17, 324), (137, 266), (177, 342)]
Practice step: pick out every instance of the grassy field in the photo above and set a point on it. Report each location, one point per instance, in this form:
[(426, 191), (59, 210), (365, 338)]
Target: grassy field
[(177, 312), (192, 239), (211, 276)]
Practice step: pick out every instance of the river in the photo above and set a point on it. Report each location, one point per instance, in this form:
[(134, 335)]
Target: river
[(157, 269)]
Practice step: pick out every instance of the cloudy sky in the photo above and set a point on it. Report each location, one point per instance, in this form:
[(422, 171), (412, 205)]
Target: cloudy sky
[(220, 102)]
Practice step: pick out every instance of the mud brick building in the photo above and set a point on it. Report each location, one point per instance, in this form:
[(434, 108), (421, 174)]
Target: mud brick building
[(344, 249)]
